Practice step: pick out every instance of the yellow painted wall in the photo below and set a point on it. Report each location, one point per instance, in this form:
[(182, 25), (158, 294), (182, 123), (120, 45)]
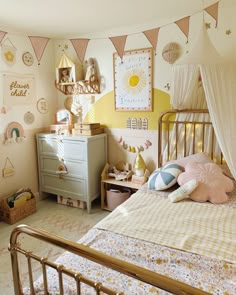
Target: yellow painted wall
[(103, 111)]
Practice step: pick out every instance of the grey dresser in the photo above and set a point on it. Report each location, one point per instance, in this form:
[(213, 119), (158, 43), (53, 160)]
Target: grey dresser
[(71, 166)]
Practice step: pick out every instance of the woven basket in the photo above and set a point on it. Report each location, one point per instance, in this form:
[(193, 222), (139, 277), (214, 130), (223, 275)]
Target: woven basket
[(12, 215), (116, 197)]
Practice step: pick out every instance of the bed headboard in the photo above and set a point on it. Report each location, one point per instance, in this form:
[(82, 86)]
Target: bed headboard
[(185, 132)]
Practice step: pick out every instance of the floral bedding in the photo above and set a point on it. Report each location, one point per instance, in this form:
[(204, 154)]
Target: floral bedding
[(209, 274)]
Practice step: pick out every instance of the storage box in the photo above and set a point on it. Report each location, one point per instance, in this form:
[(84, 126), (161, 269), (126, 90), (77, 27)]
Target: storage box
[(88, 126), (19, 212), (117, 197), (87, 131), (139, 179), (71, 202)]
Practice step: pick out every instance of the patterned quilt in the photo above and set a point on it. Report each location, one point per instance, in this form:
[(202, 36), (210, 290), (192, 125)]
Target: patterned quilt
[(207, 272)]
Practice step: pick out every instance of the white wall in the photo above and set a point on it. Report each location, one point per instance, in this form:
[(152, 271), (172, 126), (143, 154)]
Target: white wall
[(101, 48), (23, 155)]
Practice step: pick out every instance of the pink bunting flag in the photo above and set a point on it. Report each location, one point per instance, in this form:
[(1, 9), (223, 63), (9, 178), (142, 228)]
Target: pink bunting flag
[(152, 36), (213, 11), (183, 24), (39, 44), (80, 46), (2, 35), (119, 44)]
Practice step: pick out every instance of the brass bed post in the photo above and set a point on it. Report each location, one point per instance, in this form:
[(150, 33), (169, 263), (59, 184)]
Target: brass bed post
[(159, 159), (28, 256), (212, 142), (176, 139), (15, 264), (203, 138), (194, 137)]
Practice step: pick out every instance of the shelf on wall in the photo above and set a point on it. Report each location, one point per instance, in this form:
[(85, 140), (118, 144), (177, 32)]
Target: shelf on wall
[(92, 86)]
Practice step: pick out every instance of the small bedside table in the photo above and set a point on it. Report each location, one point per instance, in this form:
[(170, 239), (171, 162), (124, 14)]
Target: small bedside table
[(107, 183)]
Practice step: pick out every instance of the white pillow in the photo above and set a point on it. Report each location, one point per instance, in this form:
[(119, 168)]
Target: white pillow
[(164, 177), (183, 191)]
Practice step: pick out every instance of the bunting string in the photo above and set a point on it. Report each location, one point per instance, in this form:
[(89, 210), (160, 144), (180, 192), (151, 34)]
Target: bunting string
[(80, 45)]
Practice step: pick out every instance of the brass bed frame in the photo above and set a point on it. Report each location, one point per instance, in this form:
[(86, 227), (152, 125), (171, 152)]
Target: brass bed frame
[(201, 131), (165, 125)]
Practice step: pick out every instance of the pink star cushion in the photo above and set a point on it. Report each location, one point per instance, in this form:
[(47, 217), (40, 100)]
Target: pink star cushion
[(213, 184)]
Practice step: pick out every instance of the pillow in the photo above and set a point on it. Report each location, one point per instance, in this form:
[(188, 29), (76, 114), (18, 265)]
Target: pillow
[(183, 191), (226, 171), (212, 183), (164, 177), (197, 158)]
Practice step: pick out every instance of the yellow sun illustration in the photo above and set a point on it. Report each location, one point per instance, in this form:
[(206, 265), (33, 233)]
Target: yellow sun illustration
[(134, 81), (9, 56)]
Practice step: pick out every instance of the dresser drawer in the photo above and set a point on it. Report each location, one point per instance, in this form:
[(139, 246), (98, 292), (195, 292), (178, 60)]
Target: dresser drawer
[(64, 186), (74, 168), (75, 149), (62, 148), (47, 145)]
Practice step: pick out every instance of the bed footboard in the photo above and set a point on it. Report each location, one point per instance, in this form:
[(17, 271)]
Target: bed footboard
[(126, 268)]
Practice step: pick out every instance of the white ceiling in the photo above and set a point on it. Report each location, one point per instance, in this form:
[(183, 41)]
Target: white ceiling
[(77, 18)]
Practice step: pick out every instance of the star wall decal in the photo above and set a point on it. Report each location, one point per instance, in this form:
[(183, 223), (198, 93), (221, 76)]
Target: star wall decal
[(228, 32)]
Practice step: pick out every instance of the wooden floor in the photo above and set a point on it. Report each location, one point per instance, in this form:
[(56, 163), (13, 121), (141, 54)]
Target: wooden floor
[(70, 223)]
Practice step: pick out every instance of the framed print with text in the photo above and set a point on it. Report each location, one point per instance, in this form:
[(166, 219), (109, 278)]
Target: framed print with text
[(133, 77)]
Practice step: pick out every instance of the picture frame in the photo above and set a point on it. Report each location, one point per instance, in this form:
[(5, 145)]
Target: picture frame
[(133, 80), (42, 106), (63, 116)]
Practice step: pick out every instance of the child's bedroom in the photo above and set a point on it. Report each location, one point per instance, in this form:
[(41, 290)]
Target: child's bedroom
[(118, 147)]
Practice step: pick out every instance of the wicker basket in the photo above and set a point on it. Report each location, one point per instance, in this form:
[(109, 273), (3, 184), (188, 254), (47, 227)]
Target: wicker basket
[(116, 197), (12, 215)]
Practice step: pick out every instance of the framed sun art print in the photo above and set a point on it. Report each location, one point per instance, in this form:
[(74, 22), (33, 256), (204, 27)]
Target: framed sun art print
[(133, 80)]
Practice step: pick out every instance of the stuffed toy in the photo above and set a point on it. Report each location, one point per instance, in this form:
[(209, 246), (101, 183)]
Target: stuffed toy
[(213, 185)]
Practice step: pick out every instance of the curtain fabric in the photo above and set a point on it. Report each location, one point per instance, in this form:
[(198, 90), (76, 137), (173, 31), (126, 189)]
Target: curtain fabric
[(186, 93), (218, 93), (184, 86), (219, 82)]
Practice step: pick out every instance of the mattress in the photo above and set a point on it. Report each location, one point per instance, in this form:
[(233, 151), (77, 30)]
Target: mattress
[(207, 272)]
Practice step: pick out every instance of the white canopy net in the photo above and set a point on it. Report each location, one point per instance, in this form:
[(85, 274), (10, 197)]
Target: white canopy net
[(202, 79)]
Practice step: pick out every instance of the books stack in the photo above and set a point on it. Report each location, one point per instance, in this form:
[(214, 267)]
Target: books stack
[(139, 179), (87, 129)]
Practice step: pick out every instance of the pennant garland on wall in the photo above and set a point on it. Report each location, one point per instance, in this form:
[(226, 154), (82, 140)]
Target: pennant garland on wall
[(183, 24), (80, 46), (152, 36), (213, 11), (2, 35), (9, 52), (119, 44), (39, 44)]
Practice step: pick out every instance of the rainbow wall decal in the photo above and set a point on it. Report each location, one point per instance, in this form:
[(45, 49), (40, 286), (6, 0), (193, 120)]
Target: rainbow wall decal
[(14, 133)]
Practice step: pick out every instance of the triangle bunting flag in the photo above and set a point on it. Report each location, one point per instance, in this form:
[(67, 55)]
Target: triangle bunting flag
[(152, 36), (39, 44), (183, 24), (80, 46), (119, 44), (2, 35), (213, 11)]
